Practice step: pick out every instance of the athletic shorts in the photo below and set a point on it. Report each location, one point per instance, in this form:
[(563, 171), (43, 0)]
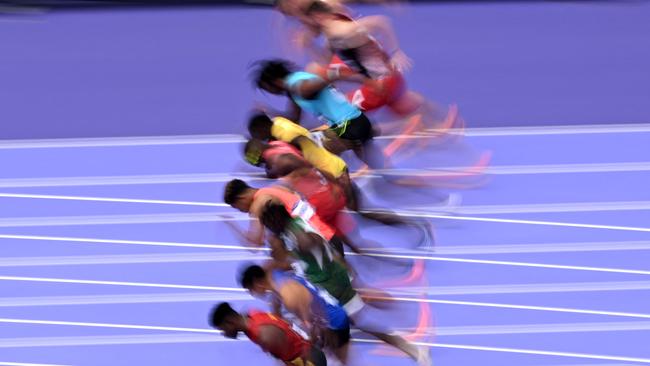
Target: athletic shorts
[(358, 130), (316, 358), (336, 338), (369, 98)]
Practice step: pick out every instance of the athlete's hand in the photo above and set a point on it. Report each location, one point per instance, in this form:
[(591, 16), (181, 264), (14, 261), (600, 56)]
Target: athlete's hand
[(400, 61)]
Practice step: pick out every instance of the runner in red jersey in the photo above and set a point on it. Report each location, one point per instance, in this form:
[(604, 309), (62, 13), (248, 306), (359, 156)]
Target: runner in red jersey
[(274, 335), (251, 200)]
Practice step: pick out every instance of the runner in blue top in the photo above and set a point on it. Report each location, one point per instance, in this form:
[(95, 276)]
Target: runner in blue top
[(317, 96), (321, 314)]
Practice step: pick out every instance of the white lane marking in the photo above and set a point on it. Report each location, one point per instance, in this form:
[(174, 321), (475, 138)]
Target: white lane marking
[(122, 299), (126, 242), (214, 217), (414, 291), (4, 363), (444, 250), (119, 283), (164, 338), (235, 139), (404, 299), (128, 259), (110, 199), (225, 177), (214, 257), (466, 210)]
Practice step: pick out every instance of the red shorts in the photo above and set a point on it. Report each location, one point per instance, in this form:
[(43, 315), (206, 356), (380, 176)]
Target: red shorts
[(368, 98), (327, 205)]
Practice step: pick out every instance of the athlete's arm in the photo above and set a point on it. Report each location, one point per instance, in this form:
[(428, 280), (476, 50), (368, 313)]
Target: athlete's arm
[(380, 25), (286, 164), (309, 89), (280, 254), (297, 300), (255, 233), (294, 112)]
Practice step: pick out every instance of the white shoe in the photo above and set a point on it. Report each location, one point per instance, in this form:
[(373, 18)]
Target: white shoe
[(424, 358)]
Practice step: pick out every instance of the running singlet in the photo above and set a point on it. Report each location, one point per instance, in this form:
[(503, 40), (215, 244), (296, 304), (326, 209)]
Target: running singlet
[(294, 345), (323, 304), (285, 130), (329, 105), (279, 148), (318, 266), (297, 207), (327, 198)]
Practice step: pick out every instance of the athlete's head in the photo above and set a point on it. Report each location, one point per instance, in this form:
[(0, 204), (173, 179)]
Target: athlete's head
[(226, 319), (275, 217), (254, 279), (259, 126), (239, 195), (254, 150), (269, 75)]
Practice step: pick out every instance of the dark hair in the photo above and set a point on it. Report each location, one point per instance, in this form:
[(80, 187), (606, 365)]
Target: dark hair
[(250, 275), (259, 126), (220, 313), (267, 71), (275, 217), (319, 6), (233, 190)]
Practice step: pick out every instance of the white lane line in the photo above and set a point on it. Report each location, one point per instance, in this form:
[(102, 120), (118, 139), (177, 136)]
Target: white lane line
[(40, 342), (126, 242), (188, 297), (523, 288), (110, 199), (225, 177), (529, 248), (466, 210), (545, 207), (109, 340), (234, 139), (215, 257), (522, 307), (510, 263), (114, 180), (517, 221), (213, 217), (438, 331), (119, 219), (539, 328), (27, 364), (557, 130), (525, 169), (119, 283), (525, 351), (128, 259), (183, 297), (70, 341), (105, 325), (404, 299), (444, 250), (122, 141)]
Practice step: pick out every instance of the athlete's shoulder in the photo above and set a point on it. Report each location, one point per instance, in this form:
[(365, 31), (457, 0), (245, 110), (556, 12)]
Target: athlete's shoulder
[(299, 76)]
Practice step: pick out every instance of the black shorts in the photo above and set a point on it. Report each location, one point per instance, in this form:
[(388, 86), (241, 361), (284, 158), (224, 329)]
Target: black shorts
[(316, 357), (337, 338), (358, 130)]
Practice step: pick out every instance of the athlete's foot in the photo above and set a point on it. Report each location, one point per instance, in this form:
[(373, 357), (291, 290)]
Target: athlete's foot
[(427, 238), (424, 358)]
